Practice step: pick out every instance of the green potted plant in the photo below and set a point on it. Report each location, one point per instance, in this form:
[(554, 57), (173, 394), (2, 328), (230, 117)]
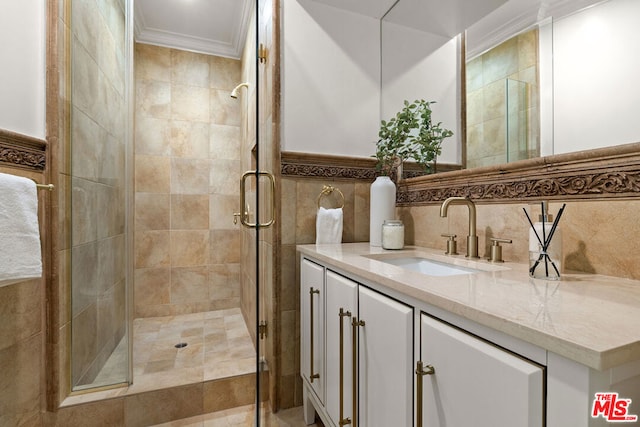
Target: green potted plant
[(411, 134)]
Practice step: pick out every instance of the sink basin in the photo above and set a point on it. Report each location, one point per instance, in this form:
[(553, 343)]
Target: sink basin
[(429, 267)]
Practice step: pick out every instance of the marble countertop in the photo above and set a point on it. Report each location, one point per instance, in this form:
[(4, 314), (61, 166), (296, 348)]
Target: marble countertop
[(591, 319)]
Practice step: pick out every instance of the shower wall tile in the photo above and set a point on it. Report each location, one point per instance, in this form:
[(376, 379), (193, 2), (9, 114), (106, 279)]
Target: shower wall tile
[(224, 142), (153, 99), (152, 286), (152, 174), (84, 270), (224, 177), (84, 215), (187, 171), (190, 103), (225, 247), (189, 176), (152, 63), (84, 342), (224, 109), (189, 68), (225, 73), (152, 136), (86, 135), (189, 248), (189, 285), (189, 139), (189, 212), (152, 249), (221, 210), (152, 211)]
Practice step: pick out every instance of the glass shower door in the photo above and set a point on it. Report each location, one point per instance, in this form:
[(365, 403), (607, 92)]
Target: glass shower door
[(100, 188)]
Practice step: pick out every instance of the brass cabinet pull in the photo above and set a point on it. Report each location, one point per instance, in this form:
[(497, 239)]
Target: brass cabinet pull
[(244, 216), (312, 376), (354, 373), (420, 372), (343, 421)]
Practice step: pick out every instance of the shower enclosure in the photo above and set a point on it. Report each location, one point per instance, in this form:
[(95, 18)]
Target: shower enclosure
[(164, 285)]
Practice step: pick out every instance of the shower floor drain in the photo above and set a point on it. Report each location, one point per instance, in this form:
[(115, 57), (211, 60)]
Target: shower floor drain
[(181, 345)]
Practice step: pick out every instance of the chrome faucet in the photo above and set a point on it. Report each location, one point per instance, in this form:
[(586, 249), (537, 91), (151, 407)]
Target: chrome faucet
[(472, 238)]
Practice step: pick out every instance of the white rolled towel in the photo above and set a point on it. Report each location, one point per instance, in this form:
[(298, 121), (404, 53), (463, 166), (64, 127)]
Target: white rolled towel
[(329, 226), (20, 253)]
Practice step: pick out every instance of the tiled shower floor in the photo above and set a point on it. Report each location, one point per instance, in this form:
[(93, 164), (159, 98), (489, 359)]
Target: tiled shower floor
[(218, 345)]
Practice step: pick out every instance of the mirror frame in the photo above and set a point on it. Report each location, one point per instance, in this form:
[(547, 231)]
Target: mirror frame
[(604, 173)]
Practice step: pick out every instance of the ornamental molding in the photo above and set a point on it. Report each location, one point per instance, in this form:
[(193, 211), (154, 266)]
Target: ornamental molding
[(17, 150), (605, 173), (594, 174)]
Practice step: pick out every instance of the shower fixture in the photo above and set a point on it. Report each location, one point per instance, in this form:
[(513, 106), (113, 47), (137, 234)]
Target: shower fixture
[(234, 92)]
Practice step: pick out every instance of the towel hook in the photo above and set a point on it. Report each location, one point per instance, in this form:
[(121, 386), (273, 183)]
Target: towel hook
[(328, 189)]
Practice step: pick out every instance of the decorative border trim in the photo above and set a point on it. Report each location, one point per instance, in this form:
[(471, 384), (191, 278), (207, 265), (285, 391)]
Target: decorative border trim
[(22, 151), (593, 174), (605, 173), (303, 165)]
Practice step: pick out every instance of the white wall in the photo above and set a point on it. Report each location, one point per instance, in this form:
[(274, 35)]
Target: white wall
[(596, 85), (22, 74), (330, 80), (419, 65)]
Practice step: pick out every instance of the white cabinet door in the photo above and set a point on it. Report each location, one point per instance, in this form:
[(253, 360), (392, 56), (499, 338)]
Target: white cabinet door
[(312, 326), (385, 354), (475, 383), (341, 296)]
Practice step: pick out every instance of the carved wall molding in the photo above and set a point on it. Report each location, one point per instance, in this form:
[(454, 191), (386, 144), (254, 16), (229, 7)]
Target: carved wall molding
[(594, 174), (604, 173), (22, 151), (305, 165)]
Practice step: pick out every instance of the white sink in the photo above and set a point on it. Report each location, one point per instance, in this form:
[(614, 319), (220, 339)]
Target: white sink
[(429, 267)]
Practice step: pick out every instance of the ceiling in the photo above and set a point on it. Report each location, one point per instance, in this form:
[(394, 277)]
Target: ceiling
[(215, 27)]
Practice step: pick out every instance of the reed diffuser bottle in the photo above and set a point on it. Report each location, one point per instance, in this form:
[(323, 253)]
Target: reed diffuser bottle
[(545, 246)]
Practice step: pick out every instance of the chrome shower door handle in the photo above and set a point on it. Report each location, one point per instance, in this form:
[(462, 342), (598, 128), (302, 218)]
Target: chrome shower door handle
[(244, 216)]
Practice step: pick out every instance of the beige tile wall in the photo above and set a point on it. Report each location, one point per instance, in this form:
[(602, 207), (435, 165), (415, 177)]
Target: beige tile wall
[(297, 226), (187, 165), (595, 234)]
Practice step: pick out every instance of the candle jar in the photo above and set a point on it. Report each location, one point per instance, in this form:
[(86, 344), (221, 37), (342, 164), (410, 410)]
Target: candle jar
[(392, 234)]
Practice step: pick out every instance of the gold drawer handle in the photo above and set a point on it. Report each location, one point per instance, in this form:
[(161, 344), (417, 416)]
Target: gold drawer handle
[(312, 376), (420, 372), (343, 421)]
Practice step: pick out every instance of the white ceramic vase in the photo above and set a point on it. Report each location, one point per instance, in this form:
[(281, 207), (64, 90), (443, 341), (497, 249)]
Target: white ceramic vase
[(382, 206)]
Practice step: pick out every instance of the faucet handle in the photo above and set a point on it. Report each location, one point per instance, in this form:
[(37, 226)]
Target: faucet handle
[(452, 245), (496, 249)]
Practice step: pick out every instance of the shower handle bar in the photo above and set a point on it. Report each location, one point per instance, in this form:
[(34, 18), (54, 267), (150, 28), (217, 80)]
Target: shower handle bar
[(244, 216)]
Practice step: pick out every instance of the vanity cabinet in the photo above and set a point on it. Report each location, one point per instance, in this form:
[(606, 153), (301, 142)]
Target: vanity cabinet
[(357, 363), (463, 351), (368, 369), (466, 381)]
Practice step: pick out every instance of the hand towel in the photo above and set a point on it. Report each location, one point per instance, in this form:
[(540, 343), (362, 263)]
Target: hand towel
[(329, 226), (20, 254)]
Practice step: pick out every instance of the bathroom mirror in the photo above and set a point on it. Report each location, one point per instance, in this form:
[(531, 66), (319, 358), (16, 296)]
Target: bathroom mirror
[(587, 86)]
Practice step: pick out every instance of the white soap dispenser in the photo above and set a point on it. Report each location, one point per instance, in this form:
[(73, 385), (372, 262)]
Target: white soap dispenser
[(543, 228)]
